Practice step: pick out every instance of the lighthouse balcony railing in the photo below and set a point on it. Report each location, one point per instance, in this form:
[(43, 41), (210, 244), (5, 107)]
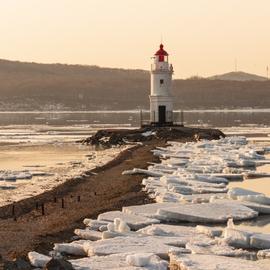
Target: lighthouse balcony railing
[(160, 66)]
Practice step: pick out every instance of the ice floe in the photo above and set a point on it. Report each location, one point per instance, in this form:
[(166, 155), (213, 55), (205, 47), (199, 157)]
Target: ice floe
[(248, 196), (260, 241), (213, 262), (235, 192), (200, 168), (185, 233), (260, 208), (135, 222), (245, 239), (74, 248), (201, 213), (147, 210), (237, 238), (8, 175), (210, 231), (88, 234), (264, 254), (220, 250), (37, 259), (124, 261), (189, 186), (135, 244), (94, 224), (207, 212)]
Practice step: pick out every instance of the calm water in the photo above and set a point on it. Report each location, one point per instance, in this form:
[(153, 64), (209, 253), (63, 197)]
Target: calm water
[(216, 118), (262, 185)]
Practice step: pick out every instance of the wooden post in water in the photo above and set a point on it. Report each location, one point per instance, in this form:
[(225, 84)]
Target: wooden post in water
[(13, 210), (79, 198), (42, 209), (63, 203)]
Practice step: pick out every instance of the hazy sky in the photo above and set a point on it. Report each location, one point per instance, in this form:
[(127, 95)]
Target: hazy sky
[(203, 37)]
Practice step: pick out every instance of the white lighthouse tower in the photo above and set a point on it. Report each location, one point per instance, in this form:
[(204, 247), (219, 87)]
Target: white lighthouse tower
[(161, 101)]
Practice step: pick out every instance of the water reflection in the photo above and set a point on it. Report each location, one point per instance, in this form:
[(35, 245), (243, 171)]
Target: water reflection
[(262, 185)]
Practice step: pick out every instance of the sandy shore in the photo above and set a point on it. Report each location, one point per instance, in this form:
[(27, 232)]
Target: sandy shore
[(104, 188)]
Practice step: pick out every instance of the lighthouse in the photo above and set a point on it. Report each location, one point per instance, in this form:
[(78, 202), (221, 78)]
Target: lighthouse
[(161, 100)]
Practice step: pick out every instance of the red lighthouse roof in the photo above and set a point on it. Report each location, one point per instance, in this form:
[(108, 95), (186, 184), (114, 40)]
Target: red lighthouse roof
[(161, 52)]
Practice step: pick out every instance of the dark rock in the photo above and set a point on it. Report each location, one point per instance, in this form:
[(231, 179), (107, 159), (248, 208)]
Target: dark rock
[(213, 134), (58, 264), (110, 137), (18, 264)]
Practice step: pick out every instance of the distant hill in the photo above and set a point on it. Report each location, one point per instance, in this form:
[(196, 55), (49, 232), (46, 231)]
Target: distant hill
[(32, 86), (238, 76)]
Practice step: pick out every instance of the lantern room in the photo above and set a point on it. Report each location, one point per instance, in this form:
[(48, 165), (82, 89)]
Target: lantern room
[(161, 60), (161, 54)]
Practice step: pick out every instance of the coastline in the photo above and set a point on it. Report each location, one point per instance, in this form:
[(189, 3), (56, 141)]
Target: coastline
[(54, 174), (103, 189)]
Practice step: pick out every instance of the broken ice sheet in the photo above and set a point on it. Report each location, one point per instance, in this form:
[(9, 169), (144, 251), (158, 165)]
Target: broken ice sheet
[(260, 208), (125, 261), (207, 212), (147, 210), (212, 262), (264, 254), (135, 222), (218, 249), (37, 259), (135, 244), (88, 234)]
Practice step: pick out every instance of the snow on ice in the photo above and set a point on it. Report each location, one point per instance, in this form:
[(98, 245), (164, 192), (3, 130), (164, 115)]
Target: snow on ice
[(188, 185), (135, 222), (124, 261)]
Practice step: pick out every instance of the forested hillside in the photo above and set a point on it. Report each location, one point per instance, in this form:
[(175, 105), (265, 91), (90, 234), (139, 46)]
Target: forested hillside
[(32, 86)]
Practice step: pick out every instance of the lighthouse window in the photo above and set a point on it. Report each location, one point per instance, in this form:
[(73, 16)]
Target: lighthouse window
[(161, 81)]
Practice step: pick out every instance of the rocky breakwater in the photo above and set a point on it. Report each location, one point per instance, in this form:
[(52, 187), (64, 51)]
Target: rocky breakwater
[(112, 137)]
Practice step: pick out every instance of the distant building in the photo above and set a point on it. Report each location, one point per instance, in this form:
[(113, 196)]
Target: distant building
[(161, 100)]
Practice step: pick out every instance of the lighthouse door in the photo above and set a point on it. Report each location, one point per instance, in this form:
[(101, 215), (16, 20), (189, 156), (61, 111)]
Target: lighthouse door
[(161, 114)]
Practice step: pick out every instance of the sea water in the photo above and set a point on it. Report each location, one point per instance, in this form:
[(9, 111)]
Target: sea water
[(214, 118), (36, 158), (46, 142)]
